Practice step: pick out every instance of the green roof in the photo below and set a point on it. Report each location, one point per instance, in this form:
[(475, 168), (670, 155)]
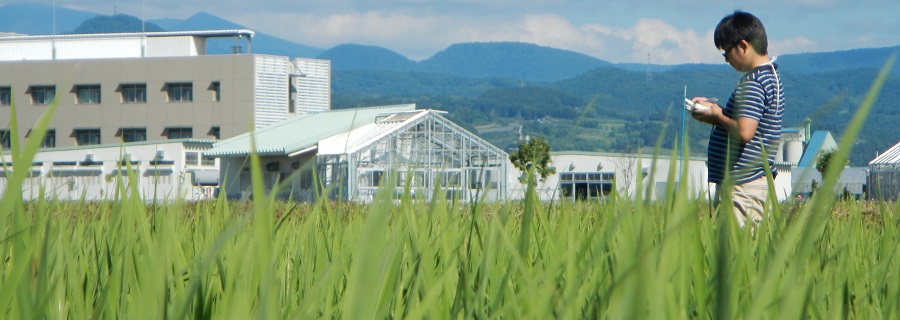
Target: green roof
[(302, 132)]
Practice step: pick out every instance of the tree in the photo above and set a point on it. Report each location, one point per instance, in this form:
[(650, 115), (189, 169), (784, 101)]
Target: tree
[(824, 160), (533, 159)]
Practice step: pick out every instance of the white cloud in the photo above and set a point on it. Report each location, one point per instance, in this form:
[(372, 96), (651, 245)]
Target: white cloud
[(420, 36), (672, 32), (667, 44), (792, 45)]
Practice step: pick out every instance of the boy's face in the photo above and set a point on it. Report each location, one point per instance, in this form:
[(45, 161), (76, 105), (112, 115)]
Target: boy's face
[(740, 56)]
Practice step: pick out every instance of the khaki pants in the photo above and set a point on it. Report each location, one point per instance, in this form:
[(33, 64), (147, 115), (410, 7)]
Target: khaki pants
[(749, 200)]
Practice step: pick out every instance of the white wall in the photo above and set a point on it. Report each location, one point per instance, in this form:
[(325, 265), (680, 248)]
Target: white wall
[(627, 169), (54, 171), (112, 47)]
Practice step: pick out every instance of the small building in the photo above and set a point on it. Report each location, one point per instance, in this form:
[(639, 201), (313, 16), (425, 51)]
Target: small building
[(884, 175), (595, 175), (853, 182), (166, 171), (351, 154)]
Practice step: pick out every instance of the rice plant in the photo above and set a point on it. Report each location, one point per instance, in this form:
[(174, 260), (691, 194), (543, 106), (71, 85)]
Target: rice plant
[(621, 258)]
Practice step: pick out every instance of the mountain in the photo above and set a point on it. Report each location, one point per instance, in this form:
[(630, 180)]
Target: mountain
[(820, 62), (350, 57), (27, 18), (517, 60), (513, 60), (261, 43), (115, 23)]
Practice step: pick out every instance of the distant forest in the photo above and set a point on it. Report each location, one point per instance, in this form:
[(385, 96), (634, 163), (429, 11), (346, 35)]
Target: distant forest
[(616, 110)]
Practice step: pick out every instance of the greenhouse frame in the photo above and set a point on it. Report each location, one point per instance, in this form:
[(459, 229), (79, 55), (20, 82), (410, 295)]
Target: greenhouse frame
[(352, 154), (884, 175)]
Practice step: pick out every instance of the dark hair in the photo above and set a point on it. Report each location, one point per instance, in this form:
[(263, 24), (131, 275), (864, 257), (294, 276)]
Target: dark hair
[(741, 26)]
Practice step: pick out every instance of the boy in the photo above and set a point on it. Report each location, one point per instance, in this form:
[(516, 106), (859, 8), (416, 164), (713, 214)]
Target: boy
[(749, 125)]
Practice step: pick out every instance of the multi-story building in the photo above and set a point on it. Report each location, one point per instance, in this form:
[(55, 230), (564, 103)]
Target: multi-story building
[(133, 87)]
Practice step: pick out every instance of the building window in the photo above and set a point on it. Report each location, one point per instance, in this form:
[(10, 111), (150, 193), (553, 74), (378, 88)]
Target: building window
[(216, 89), (586, 185), (180, 92), (179, 133), (42, 95), (372, 178), (482, 178), (134, 134), (191, 158), (85, 137), (5, 96), (49, 139), (207, 161), (292, 101), (5, 141), (88, 94), (134, 93)]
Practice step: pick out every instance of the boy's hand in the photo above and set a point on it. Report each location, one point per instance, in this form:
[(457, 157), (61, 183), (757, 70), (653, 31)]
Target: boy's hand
[(709, 115)]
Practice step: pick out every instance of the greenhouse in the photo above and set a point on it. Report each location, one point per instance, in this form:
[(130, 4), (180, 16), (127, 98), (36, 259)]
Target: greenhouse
[(884, 175), (353, 153)]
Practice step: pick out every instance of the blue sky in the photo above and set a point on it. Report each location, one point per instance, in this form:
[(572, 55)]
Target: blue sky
[(661, 31)]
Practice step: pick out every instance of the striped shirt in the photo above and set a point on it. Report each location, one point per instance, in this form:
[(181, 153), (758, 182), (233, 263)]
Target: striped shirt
[(759, 96)]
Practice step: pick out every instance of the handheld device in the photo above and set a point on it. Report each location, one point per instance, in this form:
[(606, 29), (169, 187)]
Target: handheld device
[(691, 106)]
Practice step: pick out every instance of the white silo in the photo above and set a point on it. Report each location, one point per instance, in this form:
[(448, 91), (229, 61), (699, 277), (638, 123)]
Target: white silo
[(793, 150)]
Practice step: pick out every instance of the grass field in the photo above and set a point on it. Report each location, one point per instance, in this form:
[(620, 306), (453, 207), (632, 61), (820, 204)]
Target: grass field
[(617, 259)]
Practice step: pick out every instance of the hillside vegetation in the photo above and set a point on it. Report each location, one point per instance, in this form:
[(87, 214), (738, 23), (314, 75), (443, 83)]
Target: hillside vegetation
[(115, 23), (612, 109)]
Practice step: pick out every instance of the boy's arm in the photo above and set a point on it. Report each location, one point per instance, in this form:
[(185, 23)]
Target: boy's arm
[(742, 128)]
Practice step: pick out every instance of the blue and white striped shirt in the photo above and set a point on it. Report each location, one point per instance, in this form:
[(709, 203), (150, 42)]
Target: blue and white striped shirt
[(759, 96)]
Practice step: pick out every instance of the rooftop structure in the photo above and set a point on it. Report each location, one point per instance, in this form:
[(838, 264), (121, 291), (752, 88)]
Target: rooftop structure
[(113, 45)]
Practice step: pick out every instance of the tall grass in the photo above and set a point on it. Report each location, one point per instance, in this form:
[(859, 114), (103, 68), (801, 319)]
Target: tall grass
[(615, 259)]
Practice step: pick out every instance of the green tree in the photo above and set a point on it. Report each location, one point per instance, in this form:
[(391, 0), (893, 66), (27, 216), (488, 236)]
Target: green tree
[(533, 159), (825, 158)]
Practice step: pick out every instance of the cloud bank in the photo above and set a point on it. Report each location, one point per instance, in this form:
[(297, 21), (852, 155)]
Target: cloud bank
[(659, 31)]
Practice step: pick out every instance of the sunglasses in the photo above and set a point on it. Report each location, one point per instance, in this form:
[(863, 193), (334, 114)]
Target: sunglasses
[(725, 54)]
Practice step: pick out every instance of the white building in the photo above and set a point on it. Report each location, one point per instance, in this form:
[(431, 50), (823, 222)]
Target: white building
[(157, 93), (595, 175), (165, 171)]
